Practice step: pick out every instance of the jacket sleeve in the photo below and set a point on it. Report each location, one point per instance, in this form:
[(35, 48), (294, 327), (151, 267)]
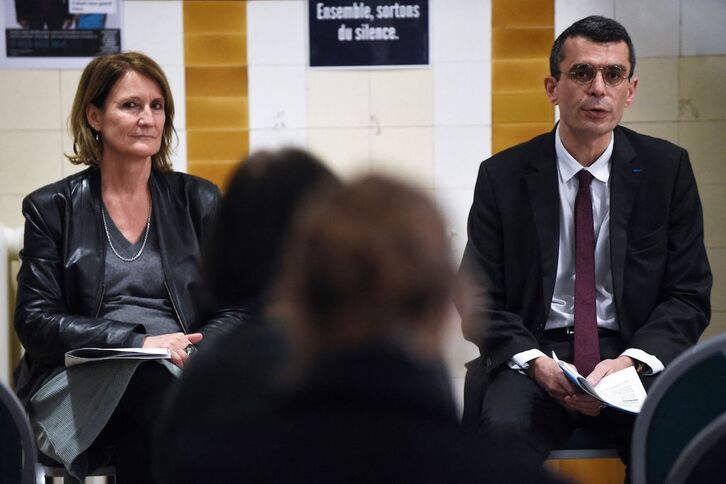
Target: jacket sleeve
[(499, 333), (682, 309), (45, 324)]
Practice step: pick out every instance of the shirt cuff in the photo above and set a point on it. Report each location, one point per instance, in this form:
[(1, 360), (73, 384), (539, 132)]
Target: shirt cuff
[(520, 361), (653, 363)]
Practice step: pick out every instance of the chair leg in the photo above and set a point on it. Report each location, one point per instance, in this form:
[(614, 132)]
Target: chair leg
[(69, 479)]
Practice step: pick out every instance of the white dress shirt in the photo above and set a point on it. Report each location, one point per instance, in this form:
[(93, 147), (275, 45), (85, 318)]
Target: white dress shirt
[(562, 308)]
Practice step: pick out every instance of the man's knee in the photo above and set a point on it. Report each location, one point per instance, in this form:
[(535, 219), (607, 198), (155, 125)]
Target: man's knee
[(505, 425), (516, 410), (507, 406)]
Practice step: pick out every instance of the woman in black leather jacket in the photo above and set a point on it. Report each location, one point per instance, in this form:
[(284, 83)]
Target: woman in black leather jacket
[(111, 259)]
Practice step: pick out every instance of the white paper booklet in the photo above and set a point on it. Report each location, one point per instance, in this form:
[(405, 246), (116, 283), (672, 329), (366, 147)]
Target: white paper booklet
[(85, 355), (622, 389)]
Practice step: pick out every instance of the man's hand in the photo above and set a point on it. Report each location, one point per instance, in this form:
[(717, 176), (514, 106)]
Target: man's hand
[(548, 375), (584, 403), (606, 367), (176, 343)]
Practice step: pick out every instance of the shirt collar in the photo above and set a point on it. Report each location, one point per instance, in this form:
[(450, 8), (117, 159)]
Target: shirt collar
[(567, 166)]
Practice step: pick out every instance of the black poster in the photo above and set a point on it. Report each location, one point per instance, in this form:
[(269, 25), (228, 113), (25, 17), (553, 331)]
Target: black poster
[(62, 43), (368, 33)]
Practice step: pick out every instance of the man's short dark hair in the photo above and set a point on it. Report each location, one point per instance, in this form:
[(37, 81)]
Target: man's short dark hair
[(597, 29)]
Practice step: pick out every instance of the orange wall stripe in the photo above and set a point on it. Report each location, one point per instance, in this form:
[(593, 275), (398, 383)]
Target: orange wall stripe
[(215, 68), (522, 34)]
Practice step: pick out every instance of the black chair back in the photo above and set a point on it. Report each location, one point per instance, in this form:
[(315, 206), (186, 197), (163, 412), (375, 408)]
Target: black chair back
[(686, 398), (703, 461)]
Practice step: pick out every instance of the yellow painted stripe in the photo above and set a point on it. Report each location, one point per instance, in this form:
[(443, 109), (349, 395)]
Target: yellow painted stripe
[(522, 35), (217, 94)]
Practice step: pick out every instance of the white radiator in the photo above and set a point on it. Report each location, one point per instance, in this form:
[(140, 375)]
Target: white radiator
[(11, 240)]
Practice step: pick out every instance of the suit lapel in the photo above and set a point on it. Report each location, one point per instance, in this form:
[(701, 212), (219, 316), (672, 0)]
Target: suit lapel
[(545, 199), (626, 174)]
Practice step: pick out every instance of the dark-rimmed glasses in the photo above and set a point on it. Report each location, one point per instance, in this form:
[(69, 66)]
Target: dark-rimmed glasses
[(612, 75)]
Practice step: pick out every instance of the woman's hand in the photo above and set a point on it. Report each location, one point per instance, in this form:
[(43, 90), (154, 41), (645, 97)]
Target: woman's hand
[(176, 343)]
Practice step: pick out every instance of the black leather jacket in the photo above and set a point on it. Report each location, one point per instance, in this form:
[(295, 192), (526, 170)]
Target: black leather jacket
[(61, 279)]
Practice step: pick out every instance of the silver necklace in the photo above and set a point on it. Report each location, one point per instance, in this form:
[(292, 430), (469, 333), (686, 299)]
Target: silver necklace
[(143, 244)]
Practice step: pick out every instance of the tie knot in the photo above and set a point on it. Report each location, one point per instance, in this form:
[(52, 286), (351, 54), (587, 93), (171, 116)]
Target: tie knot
[(585, 178)]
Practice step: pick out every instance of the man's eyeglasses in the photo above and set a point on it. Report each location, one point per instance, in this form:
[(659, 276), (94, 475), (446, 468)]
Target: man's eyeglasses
[(613, 75)]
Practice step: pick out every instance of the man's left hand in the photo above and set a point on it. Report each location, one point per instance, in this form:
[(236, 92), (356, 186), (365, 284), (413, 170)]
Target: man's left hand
[(606, 367), (583, 403)]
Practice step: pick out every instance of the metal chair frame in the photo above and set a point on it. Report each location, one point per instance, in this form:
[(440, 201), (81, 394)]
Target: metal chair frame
[(582, 445), (32, 471), (49, 472), (25, 434)]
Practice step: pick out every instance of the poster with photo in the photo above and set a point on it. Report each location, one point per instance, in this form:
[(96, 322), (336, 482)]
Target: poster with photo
[(57, 34)]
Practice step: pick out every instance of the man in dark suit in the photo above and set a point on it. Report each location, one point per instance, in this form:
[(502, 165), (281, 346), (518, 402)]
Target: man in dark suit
[(588, 241)]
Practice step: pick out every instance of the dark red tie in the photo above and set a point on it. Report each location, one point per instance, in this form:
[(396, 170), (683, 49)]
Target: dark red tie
[(587, 349)]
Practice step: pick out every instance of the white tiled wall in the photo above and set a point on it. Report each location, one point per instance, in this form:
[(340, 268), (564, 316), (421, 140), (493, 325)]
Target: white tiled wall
[(276, 32), (653, 25), (458, 151), (277, 58), (338, 98), (656, 97), (401, 97), (460, 30), (277, 96), (155, 27), (702, 24), (569, 11)]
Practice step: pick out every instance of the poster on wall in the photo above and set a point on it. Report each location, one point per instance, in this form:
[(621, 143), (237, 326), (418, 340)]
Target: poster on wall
[(58, 33), (369, 33)]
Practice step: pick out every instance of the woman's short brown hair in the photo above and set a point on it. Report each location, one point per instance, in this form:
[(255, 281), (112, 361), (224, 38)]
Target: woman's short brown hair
[(97, 80), (367, 260)]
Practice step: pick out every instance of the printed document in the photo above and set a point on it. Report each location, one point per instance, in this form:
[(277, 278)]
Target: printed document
[(622, 390), (86, 355)]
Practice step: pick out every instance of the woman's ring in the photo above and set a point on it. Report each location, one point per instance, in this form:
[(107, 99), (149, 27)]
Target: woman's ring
[(189, 350)]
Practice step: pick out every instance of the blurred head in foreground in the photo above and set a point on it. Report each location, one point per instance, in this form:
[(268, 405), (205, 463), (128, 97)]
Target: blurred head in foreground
[(260, 203), (369, 262)]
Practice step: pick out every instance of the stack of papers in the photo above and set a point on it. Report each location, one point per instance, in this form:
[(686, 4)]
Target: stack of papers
[(86, 355), (622, 389)]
